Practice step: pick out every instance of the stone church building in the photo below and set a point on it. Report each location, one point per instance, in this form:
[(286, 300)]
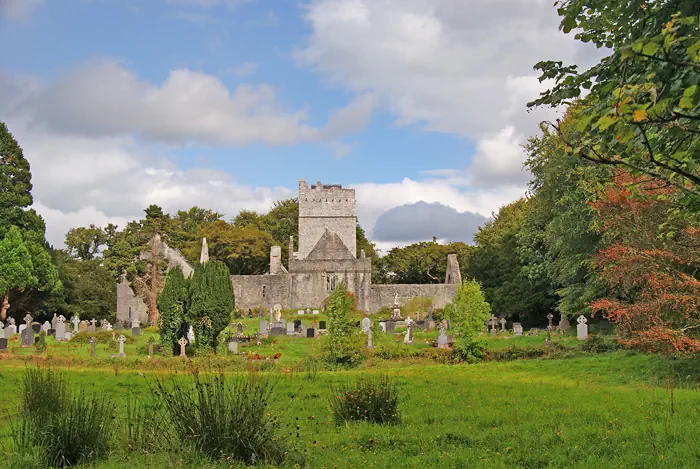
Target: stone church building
[(326, 256)]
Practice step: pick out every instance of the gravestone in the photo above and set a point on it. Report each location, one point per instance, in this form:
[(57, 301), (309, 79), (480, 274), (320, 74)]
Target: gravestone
[(21, 328), (239, 328), (54, 321), (36, 327), (2, 330), (278, 331), (150, 350), (68, 336), (582, 328), (534, 331), (135, 328), (308, 311), (315, 311), (93, 326), (442, 339), (263, 326), (390, 326), (310, 333), (408, 338), (83, 326), (233, 346), (27, 333), (297, 324), (564, 324), (105, 325), (366, 323), (3, 343), (503, 324), (46, 326), (60, 328), (431, 324), (369, 339), (93, 346), (322, 325), (76, 324), (182, 343), (10, 329), (190, 335), (517, 328), (300, 312), (382, 326), (291, 330), (121, 341), (605, 326)]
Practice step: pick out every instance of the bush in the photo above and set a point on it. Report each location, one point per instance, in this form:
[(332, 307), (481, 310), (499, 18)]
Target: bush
[(64, 428), (368, 400), (224, 417), (341, 347), (210, 303), (469, 351), (601, 344)]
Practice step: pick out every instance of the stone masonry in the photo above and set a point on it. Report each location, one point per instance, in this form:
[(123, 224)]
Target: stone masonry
[(326, 256)]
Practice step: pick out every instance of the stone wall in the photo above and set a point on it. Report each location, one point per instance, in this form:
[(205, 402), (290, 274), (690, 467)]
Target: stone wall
[(129, 305), (261, 291), (326, 207), (383, 295)]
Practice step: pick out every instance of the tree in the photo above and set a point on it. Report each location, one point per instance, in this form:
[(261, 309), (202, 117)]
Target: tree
[(642, 110), (85, 242), (16, 269), (210, 303), (339, 344), (651, 265), (468, 311), (88, 287), (15, 199), (171, 304), (423, 262)]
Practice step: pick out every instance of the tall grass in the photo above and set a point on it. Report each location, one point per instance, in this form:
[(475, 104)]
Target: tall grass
[(225, 417), (65, 427), (373, 400)]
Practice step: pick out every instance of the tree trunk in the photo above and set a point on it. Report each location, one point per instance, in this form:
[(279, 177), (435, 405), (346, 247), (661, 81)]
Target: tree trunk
[(153, 294), (5, 307)]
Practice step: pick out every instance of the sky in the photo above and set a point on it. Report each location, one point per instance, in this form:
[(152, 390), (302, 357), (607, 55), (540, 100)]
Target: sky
[(419, 105)]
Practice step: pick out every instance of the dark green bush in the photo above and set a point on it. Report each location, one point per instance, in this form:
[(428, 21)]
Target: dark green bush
[(41, 343), (224, 417), (368, 400), (469, 351), (64, 427), (601, 344)]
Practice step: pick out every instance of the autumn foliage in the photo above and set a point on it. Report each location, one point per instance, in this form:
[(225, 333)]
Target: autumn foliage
[(651, 265)]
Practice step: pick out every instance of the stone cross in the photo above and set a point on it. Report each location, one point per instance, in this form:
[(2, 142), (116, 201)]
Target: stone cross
[(492, 321), (2, 330), (76, 323), (408, 338), (442, 339), (369, 339), (93, 344), (430, 313), (121, 341), (549, 318), (28, 320), (396, 298), (365, 324), (582, 328), (503, 324), (182, 343)]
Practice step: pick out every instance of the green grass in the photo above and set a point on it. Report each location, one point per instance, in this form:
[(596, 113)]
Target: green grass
[(599, 411)]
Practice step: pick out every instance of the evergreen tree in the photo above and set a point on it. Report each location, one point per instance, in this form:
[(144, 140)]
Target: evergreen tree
[(210, 303), (339, 344), (15, 198), (469, 310), (171, 304), (16, 269)]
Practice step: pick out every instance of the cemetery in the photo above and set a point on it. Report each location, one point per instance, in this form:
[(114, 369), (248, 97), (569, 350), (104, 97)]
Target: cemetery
[(507, 277)]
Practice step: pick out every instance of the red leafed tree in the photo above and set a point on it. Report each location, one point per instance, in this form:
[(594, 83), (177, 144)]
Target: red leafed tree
[(652, 266)]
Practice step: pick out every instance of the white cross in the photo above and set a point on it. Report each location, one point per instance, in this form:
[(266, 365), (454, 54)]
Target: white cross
[(582, 320), (28, 319)]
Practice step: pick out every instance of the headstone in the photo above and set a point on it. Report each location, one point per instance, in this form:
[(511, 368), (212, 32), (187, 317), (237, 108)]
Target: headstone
[(430, 314), (322, 325), (550, 316), (121, 341), (105, 325), (390, 325), (291, 330), (315, 311), (46, 326), (182, 343), (263, 326), (369, 339), (564, 324), (190, 335), (382, 326), (310, 333), (430, 324), (272, 317), (300, 312), (93, 326), (297, 324), (535, 331), (54, 321), (308, 311), (68, 336), (83, 326), (548, 340), (2, 330), (76, 324), (27, 333), (408, 338), (135, 331), (11, 329), (135, 323), (36, 327), (503, 324), (582, 328), (517, 328), (277, 331), (239, 328), (366, 323), (21, 328), (3, 343), (233, 346), (442, 339), (93, 346)]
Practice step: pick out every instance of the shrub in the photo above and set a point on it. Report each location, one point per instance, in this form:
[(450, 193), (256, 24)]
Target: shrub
[(469, 352), (171, 305), (340, 348), (66, 428), (224, 417), (210, 303), (600, 344), (41, 343), (368, 400)]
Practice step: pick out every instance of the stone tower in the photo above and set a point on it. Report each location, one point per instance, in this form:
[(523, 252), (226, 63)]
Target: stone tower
[(325, 208)]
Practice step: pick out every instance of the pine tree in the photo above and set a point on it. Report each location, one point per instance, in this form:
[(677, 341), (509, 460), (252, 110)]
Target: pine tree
[(16, 269), (171, 305), (210, 303)]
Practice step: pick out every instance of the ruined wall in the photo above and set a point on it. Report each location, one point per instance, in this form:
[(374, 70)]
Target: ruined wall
[(310, 278), (383, 295), (261, 290), (326, 207), (129, 305)]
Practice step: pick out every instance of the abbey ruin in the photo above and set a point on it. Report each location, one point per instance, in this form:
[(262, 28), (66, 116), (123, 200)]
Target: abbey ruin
[(326, 256)]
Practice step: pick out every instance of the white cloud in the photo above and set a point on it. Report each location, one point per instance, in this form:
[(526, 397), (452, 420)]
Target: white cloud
[(352, 118), (18, 9)]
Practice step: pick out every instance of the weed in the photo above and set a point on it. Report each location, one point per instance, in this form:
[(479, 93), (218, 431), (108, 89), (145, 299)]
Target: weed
[(369, 400)]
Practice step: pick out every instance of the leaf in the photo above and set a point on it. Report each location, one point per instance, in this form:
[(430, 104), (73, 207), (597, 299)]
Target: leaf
[(583, 122), (685, 103), (690, 91), (605, 122), (639, 115), (650, 48)]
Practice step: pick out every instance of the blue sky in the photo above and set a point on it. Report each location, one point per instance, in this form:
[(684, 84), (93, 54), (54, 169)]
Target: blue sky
[(227, 103)]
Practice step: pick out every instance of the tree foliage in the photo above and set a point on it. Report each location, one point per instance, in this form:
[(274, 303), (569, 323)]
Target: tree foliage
[(89, 289), (652, 267), (210, 303), (171, 304), (642, 108), (469, 310), (423, 262), (339, 346), (85, 242), (16, 268)]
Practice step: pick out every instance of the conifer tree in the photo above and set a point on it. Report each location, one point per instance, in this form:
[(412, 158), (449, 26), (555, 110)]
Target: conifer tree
[(171, 305), (210, 303)]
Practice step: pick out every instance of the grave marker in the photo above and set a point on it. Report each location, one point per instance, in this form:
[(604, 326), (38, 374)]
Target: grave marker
[(310, 333), (93, 346), (503, 324), (582, 328), (517, 328), (366, 323), (27, 332), (121, 341), (442, 341), (182, 343), (76, 324)]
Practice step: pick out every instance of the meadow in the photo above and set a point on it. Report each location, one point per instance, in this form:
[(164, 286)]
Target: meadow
[(566, 409)]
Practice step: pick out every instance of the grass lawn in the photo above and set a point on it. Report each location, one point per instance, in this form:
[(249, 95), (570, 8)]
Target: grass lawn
[(599, 411)]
